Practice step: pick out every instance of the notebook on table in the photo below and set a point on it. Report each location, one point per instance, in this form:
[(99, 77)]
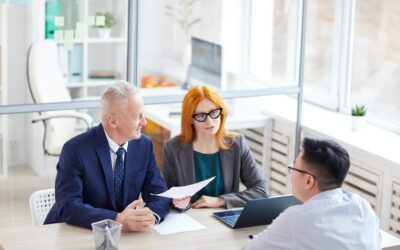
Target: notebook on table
[(257, 212)]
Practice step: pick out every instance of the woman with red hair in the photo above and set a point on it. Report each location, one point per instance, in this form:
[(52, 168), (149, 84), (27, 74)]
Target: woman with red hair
[(205, 149)]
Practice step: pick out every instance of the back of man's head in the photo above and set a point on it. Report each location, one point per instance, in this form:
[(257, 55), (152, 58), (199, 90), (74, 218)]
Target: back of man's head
[(328, 160)]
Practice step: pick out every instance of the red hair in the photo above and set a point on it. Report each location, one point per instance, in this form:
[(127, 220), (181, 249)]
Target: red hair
[(224, 138)]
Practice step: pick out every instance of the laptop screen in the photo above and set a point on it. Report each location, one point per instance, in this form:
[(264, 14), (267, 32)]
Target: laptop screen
[(206, 63), (258, 212)]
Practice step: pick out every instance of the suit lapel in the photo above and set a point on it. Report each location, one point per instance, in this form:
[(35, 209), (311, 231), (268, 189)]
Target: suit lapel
[(187, 164), (227, 158), (103, 153)]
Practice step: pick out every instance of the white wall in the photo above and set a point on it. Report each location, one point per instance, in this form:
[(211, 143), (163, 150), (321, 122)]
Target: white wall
[(162, 41), (160, 35), (156, 31), (233, 30), (17, 83)]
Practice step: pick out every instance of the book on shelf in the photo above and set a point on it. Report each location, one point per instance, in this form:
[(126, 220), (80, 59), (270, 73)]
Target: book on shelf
[(52, 9), (104, 74), (75, 63)]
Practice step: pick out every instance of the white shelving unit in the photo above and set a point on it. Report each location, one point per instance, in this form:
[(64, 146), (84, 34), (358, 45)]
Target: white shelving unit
[(97, 54), (3, 91)]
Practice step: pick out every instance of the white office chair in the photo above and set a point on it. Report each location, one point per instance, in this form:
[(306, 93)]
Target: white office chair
[(46, 85), (40, 204)]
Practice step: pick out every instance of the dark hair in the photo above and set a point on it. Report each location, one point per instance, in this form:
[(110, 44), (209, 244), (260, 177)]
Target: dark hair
[(328, 160)]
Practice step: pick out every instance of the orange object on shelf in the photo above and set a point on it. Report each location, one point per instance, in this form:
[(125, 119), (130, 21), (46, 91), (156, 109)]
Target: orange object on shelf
[(148, 81), (167, 84)]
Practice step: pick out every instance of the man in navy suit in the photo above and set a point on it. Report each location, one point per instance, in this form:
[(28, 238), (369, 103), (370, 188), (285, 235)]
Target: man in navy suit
[(101, 173)]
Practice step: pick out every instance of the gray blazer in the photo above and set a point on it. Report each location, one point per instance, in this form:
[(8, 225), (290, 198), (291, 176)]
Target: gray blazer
[(237, 165)]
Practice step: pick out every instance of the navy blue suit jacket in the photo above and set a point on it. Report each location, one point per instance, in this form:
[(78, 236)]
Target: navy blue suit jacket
[(84, 187)]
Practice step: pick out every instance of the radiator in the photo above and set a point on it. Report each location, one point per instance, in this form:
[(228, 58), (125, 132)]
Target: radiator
[(394, 221), (364, 182)]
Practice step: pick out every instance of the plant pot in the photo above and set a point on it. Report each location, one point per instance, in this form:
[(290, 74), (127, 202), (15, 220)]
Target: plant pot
[(104, 33), (358, 122)]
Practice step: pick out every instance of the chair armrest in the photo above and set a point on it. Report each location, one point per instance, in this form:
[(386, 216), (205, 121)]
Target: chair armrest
[(78, 115)]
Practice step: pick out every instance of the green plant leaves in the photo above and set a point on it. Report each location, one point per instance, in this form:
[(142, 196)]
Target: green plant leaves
[(358, 110)]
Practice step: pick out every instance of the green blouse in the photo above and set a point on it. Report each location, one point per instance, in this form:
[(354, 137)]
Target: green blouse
[(207, 166)]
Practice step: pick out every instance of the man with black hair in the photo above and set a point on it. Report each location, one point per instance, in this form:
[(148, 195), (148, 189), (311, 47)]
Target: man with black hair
[(328, 218)]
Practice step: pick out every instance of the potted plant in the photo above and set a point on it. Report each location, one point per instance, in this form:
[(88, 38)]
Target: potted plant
[(104, 31), (358, 117), (186, 15)]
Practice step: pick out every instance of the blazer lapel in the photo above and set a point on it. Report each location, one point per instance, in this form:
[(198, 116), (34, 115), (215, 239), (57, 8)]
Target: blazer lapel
[(187, 164), (227, 158), (103, 152)]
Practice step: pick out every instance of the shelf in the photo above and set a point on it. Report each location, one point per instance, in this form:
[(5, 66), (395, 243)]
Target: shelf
[(101, 82), (70, 41), (90, 83), (91, 54), (107, 40), (94, 40), (74, 84)]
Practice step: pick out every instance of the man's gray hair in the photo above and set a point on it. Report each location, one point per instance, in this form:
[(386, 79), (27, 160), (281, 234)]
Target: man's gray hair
[(117, 94)]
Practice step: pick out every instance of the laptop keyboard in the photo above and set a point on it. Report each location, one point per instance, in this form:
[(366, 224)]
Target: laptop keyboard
[(231, 219)]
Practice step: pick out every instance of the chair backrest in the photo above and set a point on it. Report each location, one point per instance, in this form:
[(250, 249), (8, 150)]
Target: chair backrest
[(40, 204), (44, 73), (47, 85)]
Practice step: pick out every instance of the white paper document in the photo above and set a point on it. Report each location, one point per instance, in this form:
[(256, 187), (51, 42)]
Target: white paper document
[(176, 222), (189, 190)]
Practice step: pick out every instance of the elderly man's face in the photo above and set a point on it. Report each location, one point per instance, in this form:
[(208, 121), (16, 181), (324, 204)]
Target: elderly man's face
[(131, 119)]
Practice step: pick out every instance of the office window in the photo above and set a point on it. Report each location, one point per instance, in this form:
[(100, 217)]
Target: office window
[(272, 41), (319, 86), (274, 36), (352, 53), (375, 78)]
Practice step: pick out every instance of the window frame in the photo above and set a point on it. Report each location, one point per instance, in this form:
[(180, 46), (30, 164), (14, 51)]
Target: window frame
[(338, 98)]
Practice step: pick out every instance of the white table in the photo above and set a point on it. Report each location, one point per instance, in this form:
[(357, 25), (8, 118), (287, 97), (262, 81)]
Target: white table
[(215, 236), (63, 236)]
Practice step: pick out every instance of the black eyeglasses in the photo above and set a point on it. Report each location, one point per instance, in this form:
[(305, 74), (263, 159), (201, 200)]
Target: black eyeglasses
[(291, 169), (214, 114)]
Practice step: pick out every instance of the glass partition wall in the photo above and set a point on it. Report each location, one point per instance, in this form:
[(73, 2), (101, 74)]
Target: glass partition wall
[(54, 54), (205, 42), (240, 48), (177, 44)]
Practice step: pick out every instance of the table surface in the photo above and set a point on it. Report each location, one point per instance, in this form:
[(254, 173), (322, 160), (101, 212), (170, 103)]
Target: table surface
[(215, 236), (63, 236)]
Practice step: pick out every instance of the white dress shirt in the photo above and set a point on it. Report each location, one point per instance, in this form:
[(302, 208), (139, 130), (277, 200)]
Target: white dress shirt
[(114, 148), (329, 220), (113, 153)]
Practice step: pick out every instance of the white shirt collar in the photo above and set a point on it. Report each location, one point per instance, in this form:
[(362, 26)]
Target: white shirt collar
[(327, 194), (114, 146)]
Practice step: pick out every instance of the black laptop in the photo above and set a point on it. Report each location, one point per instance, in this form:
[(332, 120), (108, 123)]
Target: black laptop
[(257, 212)]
